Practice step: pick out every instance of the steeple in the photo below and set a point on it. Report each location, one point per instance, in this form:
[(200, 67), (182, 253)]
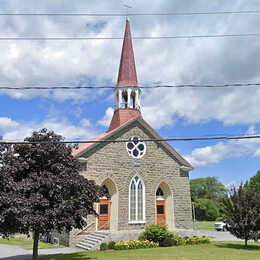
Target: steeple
[(127, 72), (126, 93)]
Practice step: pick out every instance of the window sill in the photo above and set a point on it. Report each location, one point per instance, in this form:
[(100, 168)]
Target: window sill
[(137, 222)]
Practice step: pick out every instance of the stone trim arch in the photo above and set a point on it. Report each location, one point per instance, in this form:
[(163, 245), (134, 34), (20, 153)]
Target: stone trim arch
[(113, 192), (169, 203)]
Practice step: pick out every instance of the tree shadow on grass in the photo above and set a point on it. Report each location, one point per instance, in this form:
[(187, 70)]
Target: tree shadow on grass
[(17, 257), (239, 246), (76, 257), (49, 257)]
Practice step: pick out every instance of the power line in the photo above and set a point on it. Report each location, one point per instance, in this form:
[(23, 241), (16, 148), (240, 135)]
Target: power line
[(145, 140), (134, 14), (69, 87), (121, 38)]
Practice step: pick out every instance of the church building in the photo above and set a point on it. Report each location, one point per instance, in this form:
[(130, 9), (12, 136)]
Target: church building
[(148, 181)]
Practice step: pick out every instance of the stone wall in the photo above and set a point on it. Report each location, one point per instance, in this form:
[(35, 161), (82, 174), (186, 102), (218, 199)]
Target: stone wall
[(112, 161)]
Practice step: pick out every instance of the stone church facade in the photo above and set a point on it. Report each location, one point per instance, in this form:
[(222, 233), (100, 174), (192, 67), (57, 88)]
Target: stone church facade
[(148, 181)]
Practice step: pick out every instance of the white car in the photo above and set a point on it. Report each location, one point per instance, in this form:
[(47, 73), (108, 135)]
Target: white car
[(220, 226)]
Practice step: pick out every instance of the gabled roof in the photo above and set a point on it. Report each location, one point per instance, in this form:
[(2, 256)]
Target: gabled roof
[(127, 71), (122, 116), (109, 135)]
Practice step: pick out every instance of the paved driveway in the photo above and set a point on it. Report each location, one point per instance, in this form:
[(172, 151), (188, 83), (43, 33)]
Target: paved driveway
[(216, 235), (17, 253)]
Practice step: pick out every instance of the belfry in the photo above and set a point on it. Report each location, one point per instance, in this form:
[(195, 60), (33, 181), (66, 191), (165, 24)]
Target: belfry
[(127, 94)]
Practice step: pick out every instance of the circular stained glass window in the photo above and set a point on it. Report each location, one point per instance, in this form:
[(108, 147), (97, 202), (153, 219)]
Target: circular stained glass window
[(136, 147)]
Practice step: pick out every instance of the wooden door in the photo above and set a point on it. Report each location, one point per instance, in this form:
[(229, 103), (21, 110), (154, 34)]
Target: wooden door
[(104, 214), (161, 212)]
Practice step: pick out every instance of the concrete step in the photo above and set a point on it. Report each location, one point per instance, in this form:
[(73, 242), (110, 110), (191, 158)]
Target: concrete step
[(99, 234), (95, 237), (84, 247), (92, 240), (86, 242)]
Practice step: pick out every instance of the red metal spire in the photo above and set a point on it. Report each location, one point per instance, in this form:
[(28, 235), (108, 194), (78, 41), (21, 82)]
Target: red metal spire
[(127, 72)]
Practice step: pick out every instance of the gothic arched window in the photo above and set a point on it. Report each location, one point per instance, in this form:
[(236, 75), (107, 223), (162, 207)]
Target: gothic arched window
[(136, 200), (159, 192)]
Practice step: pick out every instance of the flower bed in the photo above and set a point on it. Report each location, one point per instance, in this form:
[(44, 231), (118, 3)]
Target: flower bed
[(135, 244), (191, 240)]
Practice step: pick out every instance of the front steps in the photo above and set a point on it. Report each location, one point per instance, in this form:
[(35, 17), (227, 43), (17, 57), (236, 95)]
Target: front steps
[(93, 240)]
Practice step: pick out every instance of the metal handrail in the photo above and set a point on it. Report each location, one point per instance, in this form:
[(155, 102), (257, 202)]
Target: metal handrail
[(84, 229)]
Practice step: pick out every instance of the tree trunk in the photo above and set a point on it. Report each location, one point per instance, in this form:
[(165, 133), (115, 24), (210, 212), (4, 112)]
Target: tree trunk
[(246, 242), (35, 245)]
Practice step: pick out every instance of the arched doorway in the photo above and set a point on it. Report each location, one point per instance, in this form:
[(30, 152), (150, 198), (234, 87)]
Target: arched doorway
[(164, 206), (108, 208), (160, 207)]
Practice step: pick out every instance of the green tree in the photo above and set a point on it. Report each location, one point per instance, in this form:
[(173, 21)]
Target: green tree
[(254, 182), (41, 189), (205, 209), (242, 212), (207, 188)]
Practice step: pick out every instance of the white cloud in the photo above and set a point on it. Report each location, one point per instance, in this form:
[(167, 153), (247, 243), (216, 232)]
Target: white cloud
[(19, 130), (105, 121), (230, 106), (224, 150), (199, 61), (7, 123)]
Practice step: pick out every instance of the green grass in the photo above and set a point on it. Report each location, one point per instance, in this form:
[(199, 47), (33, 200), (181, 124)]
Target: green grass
[(213, 251), (204, 225), (26, 243)]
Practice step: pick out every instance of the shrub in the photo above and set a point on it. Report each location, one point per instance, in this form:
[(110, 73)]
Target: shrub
[(156, 233), (135, 244), (103, 246), (142, 237), (111, 245), (178, 240), (167, 242)]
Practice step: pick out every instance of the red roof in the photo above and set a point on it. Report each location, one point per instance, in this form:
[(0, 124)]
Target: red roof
[(117, 124), (121, 116), (127, 72), (83, 147)]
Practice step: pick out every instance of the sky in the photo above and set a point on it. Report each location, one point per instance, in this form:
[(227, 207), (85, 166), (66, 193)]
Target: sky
[(83, 114)]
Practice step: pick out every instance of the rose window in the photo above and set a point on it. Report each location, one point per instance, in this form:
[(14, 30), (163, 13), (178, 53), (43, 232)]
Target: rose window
[(136, 147)]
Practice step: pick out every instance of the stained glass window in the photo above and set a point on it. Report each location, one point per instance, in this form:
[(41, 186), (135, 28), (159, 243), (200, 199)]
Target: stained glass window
[(136, 147), (159, 192)]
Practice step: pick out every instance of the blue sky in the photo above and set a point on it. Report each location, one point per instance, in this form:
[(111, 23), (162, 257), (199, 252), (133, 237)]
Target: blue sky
[(83, 114)]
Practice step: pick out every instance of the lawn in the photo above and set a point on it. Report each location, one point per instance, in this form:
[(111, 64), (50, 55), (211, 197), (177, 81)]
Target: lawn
[(213, 251), (204, 225), (26, 243)]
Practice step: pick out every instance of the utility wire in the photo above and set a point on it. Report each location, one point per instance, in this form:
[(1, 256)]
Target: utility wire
[(69, 87), (135, 38), (144, 140), (133, 14)]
